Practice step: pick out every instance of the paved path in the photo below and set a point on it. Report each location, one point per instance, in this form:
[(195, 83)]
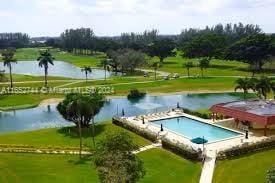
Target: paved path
[(208, 167), (145, 148)]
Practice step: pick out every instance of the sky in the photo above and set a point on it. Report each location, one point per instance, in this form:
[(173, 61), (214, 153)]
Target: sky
[(112, 17)]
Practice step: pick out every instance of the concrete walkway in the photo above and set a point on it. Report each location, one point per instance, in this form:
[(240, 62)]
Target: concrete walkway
[(208, 167), (145, 148)]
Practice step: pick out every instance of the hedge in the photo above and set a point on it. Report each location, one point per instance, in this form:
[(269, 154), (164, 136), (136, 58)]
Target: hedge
[(247, 149), (144, 133), (180, 149)]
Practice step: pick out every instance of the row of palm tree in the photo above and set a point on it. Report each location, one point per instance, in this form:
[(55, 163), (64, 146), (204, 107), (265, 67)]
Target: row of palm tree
[(261, 86)]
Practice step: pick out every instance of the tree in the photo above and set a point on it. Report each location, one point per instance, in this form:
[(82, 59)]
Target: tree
[(44, 60), (206, 45), (273, 89), (115, 161), (2, 76), (263, 86), (8, 57), (188, 66), (105, 63), (81, 109), (155, 65), (203, 64), (271, 175), (87, 70), (130, 59), (244, 84), (162, 48), (113, 59), (255, 50)]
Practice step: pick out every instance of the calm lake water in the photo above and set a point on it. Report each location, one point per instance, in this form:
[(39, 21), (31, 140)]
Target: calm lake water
[(60, 68), (47, 116)]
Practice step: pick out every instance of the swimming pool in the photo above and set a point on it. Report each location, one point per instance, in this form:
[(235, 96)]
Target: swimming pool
[(191, 129)]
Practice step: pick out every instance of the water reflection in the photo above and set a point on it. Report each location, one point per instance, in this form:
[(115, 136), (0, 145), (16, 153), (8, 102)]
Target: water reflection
[(47, 116)]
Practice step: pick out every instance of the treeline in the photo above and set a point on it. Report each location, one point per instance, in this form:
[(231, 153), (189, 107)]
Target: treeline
[(15, 40), (84, 40), (230, 33)]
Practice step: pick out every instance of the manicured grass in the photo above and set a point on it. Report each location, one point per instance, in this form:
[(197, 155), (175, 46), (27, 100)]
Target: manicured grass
[(182, 84), (66, 137), (248, 169), (161, 166), (217, 67), (9, 102), (78, 60), (171, 64), (27, 168)]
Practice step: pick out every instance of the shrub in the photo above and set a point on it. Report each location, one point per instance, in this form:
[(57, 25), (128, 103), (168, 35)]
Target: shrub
[(146, 134), (180, 149), (247, 148), (271, 175), (135, 94)]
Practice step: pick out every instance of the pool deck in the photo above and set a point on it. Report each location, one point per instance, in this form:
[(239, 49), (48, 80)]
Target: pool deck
[(210, 149)]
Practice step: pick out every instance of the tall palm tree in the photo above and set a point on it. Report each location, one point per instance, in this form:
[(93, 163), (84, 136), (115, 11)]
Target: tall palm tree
[(244, 84), (44, 60), (87, 70), (106, 66), (155, 65), (263, 86), (203, 64), (8, 57), (188, 66)]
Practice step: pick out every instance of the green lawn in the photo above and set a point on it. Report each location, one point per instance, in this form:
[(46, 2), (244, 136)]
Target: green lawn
[(10, 102), (161, 166), (248, 169), (66, 137), (78, 60), (171, 64)]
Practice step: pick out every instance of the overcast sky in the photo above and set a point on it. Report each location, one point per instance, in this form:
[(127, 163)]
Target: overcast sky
[(111, 17)]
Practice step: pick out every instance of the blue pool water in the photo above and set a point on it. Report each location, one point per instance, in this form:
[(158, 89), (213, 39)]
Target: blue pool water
[(192, 129)]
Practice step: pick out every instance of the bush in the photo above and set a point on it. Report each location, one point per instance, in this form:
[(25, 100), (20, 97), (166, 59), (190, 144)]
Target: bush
[(180, 149), (148, 135), (135, 94), (247, 148), (271, 175)]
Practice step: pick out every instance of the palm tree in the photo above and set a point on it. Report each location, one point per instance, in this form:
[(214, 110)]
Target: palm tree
[(106, 66), (87, 70), (44, 60), (81, 109), (155, 65), (203, 64), (263, 86), (188, 66), (8, 57), (244, 84)]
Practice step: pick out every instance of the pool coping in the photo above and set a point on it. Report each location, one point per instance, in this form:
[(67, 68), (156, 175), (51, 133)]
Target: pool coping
[(201, 120)]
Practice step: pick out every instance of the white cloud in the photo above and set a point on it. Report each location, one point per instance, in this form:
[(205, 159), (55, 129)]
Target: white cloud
[(111, 17)]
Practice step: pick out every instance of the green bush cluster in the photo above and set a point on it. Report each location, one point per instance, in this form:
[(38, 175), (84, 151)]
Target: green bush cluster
[(148, 135), (270, 178), (204, 114), (247, 148), (180, 149), (135, 94)]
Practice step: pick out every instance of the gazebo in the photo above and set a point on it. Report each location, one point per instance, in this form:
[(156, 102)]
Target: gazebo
[(260, 113)]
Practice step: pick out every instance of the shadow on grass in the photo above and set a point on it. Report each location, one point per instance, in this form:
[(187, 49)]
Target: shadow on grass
[(84, 160), (72, 132)]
